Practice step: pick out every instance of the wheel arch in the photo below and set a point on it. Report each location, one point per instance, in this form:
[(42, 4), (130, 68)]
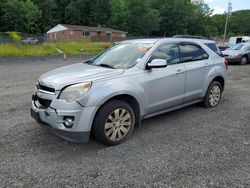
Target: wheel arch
[(131, 100), (221, 80), (246, 55)]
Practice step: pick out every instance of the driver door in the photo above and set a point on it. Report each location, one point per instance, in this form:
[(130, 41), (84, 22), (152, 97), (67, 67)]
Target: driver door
[(164, 87)]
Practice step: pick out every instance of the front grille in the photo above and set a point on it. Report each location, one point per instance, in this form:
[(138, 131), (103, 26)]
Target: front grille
[(45, 88), (44, 102)]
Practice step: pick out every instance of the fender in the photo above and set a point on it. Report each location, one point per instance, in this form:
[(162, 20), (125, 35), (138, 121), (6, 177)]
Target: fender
[(217, 71), (101, 92)]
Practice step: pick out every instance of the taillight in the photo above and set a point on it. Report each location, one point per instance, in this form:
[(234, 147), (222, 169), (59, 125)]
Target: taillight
[(226, 63)]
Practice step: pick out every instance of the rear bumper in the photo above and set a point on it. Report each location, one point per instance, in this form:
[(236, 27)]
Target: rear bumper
[(53, 118)]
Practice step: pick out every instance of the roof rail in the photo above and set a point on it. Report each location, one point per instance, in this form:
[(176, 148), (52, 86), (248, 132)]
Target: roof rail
[(190, 37)]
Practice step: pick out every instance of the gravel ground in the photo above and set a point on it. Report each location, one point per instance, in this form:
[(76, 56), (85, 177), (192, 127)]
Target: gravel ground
[(191, 147)]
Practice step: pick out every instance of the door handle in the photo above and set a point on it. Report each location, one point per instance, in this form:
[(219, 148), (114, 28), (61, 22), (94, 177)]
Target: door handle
[(179, 72), (206, 65)]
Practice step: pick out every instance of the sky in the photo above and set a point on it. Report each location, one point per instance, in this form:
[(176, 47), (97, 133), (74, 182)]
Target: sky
[(220, 6)]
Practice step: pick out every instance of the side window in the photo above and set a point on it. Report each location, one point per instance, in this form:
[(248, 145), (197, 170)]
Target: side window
[(190, 52), (204, 54), (213, 47), (169, 52)]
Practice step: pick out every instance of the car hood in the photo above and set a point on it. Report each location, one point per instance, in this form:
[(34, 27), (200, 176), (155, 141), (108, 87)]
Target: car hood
[(231, 52), (76, 73)]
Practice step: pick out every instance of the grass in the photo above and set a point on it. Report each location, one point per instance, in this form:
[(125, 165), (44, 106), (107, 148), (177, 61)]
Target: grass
[(46, 49)]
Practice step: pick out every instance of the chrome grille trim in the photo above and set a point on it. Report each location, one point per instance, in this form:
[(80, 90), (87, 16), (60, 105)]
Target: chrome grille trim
[(46, 92), (45, 89)]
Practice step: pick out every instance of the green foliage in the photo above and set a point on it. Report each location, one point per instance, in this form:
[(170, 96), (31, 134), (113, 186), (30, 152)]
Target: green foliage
[(150, 22), (74, 48), (49, 12), (31, 17), (17, 15), (238, 23), (137, 17), (15, 36), (119, 13), (136, 11), (88, 12)]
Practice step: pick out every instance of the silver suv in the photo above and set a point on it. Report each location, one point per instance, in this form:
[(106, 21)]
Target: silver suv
[(110, 94)]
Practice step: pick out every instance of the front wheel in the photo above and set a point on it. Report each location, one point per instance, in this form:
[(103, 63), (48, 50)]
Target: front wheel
[(243, 60), (213, 95), (114, 122)]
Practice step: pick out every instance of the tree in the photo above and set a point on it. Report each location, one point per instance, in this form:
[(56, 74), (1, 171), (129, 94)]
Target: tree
[(62, 10), (88, 12), (238, 23), (119, 12), (150, 22), (175, 15), (137, 17), (32, 16), (48, 18), (12, 15), (19, 16), (136, 10), (101, 12), (218, 22), (199, 22)]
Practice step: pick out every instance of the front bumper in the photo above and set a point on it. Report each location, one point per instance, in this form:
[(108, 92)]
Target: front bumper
[(53, 118)]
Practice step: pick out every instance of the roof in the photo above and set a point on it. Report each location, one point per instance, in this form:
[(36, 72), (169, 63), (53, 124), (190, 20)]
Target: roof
[(61, 27), (143, 41), (155, 40), (190, 37)]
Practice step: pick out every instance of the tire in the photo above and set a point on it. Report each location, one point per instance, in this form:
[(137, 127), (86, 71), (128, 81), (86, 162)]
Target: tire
[(243, 60), (213, 95), (114, 122)]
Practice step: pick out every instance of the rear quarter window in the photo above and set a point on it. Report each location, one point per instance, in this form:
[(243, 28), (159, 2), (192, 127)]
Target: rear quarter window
[(190, 52), (213, 47)]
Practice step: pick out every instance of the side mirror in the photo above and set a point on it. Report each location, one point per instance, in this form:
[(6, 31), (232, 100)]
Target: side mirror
[(158, 63)]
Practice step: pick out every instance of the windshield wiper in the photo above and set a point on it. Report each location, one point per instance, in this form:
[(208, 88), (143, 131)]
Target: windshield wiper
[(88, 62), (106, 65), (102, 64)]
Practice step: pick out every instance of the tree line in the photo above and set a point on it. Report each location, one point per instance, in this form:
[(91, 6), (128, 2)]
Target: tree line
[(137, 17)]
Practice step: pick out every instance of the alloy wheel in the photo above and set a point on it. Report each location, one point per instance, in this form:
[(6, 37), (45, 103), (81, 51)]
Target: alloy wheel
[(243, 60), (215, 95), (118, 124)]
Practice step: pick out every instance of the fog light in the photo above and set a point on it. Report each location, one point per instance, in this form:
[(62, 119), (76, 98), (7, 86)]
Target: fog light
[(68, 121)]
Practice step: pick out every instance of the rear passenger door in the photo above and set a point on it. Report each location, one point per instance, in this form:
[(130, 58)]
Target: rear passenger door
[(197, 68)]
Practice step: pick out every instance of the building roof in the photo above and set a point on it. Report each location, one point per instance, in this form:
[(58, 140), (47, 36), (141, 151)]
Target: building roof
[(62, 27), (57, 28)]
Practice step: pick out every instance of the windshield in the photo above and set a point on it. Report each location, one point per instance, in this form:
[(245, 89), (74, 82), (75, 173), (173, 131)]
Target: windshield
[(232, 47), (238, 47), (121, 56)]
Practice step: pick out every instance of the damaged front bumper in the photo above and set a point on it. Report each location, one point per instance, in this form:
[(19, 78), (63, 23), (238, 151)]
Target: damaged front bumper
[(55, 118)]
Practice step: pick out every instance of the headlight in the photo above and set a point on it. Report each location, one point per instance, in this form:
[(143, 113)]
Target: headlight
[(235, 54), (74, 92)]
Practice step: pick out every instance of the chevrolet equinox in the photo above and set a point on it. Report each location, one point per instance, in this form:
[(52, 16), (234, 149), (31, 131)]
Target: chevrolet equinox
[(136, 79)]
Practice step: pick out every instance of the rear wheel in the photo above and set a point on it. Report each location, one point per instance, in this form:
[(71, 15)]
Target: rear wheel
[(213, 95), (114, 122), (243, 60)]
